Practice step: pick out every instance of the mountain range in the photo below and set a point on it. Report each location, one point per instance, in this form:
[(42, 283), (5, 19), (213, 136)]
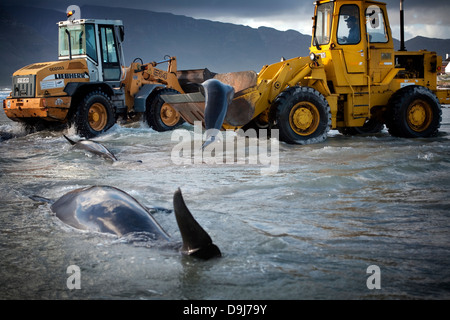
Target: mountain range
[(30, 35)]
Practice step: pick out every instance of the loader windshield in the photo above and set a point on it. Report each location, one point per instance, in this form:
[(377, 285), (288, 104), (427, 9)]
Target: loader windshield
[(322, 24), (82, 41)]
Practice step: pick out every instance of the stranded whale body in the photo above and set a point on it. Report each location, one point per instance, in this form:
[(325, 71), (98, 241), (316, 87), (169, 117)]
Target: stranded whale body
[(107, 209), (92, 147)]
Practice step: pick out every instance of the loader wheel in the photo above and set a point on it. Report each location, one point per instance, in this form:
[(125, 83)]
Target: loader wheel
[(303, 115), (95, 115), (161, 116), (415, 112)]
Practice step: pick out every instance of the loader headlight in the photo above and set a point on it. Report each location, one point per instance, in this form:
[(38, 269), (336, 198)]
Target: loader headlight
[(312, 56)]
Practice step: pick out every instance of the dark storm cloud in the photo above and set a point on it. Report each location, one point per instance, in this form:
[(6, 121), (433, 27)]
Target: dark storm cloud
[(429, 10), (425, 12), (243, 8), (295, 14), (238, 8)]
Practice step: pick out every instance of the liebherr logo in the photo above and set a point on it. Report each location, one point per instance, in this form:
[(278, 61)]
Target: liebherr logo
[(71, 75), (58, 76)]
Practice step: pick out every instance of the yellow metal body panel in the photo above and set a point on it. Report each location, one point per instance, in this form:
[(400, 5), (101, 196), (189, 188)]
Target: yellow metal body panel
[(443, 96), (50, 102), (24, 108), (50, 109), (52, 77)]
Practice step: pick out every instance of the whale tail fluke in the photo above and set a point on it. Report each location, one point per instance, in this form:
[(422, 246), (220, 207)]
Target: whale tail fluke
[(218, 97), (196, 241)]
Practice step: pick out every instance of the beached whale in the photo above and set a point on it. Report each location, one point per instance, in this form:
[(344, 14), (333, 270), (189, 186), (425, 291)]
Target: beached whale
[(92, 147), (108, 209)]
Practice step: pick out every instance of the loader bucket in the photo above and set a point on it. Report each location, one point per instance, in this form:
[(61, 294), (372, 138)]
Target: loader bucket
[(191, 79), (237, 112)]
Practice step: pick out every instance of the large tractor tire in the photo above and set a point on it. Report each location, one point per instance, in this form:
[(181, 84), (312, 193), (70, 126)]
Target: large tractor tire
[(95, 115), (415, 112), (302, 115), (161, 116)]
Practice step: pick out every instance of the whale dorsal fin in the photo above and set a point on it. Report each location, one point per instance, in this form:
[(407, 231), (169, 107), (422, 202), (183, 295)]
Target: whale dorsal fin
[(196, 241), (41, 199), (71, 141)]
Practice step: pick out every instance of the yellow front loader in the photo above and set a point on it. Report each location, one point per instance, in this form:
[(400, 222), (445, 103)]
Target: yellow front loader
[(91, 87), (353, 81)]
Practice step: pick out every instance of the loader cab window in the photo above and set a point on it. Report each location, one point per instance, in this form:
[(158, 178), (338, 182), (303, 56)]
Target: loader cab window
[(322, 24), (375, 26), (79, 39), (349, 31), (110, 60), (91, 48)]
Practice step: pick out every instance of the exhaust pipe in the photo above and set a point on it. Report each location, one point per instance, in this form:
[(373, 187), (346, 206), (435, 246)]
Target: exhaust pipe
[(402, 28)]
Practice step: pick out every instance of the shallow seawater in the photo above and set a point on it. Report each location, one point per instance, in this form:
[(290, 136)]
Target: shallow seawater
[(308, 230)]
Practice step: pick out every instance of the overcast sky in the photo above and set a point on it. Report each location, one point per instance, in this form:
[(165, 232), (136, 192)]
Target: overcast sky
[(429, 18)]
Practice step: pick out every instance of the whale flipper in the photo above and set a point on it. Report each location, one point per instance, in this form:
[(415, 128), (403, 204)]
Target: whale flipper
[(196, 241)]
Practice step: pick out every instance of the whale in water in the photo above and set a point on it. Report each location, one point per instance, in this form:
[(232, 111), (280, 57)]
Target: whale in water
[(108, 209), (92, 147)]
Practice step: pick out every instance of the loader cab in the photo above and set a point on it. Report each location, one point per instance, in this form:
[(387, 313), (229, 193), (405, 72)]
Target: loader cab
[(97, 41), (353, 38)]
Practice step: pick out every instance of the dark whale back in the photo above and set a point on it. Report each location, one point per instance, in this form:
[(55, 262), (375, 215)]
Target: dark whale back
[(110, 210), (106, 209)]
